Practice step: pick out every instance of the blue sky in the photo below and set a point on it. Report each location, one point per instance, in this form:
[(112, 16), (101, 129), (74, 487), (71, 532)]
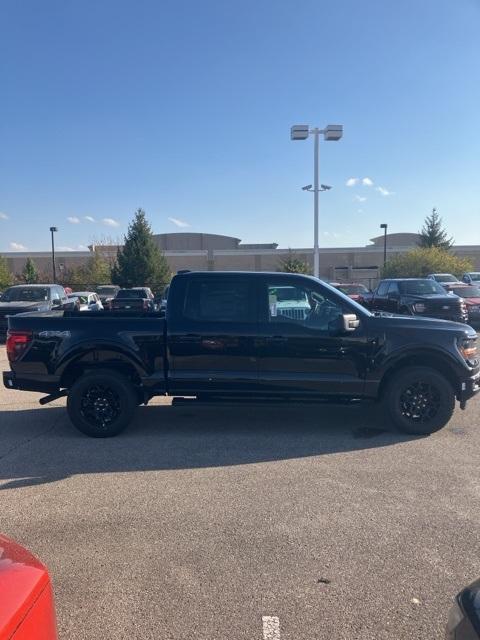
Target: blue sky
[(184, 108)]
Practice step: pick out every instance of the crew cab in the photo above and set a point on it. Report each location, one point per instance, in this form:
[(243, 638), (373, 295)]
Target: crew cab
[(225, 336), (419, 297), (30, 297)]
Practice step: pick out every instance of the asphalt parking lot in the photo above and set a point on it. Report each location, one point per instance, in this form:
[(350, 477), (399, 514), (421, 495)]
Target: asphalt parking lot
[(199, 521)]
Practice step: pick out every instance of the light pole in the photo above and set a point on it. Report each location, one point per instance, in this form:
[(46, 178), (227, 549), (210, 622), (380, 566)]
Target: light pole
[(52, 231), (384, 226), (332, 132)]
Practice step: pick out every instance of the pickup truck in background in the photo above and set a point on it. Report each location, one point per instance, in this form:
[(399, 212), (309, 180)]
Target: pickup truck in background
[(137, 298), (418, 297), (225, 335), (30, 297)]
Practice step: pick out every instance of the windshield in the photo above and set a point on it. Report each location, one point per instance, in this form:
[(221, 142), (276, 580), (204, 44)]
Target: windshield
[(25, 294), (353, 289), (445, 277), (131, 293), (81, 299), (285, 294), (107, 291), (421, 287), (466, 292)]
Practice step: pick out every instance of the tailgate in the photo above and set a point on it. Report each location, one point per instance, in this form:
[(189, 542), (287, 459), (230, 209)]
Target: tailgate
[(127, 303)]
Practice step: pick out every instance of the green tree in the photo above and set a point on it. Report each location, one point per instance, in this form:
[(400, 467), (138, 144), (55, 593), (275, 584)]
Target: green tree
[(6, 278), (433, 234), (294, 265), (30, 273), (419, 262), (94, 272), (140, 261)]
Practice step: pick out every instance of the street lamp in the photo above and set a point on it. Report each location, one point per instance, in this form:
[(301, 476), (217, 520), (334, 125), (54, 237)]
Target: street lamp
[(332, 132), (52, 231), (384, 226)]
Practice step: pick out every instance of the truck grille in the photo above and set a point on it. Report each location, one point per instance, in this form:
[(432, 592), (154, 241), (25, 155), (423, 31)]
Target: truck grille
[(294, 314)]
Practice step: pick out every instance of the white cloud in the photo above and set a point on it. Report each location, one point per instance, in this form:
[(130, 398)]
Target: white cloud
[(63, 248), (73, 220), (330, 234), (359, 198), (384, 192), (16, 246), (3, 216), (82, 247), (351, 182), (89, 218), (367, 182), (359, 210), (179, 223), (110, 222)]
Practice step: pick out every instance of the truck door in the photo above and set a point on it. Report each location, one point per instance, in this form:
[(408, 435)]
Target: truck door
[(380, 300), (301, 349), (212, 325)]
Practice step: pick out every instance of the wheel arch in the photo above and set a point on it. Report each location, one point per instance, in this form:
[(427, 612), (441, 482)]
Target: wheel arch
[(421, 358), (96, 360)]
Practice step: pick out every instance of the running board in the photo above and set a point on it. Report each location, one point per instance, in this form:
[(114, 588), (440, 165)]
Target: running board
[(52, 397)]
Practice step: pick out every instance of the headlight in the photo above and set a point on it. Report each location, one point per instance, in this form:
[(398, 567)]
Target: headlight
[(468, 348), (419, 307)]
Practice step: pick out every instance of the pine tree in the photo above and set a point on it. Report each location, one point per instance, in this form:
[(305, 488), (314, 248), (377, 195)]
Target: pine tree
[(140, 262), (293, 264), (6, 277), (432, 233), (30, 273)]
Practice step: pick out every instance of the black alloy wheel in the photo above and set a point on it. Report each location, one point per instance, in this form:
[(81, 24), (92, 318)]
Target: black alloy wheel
[(102, 403), (419, 400)]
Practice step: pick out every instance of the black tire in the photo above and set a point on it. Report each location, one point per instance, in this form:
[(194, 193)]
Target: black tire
[(101, 404), (419, 400)]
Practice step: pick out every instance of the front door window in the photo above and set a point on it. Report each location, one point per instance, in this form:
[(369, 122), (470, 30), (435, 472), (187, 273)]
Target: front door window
[(300, 305)]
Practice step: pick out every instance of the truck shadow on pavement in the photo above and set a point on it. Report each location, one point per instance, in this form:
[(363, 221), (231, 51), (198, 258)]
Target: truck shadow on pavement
[(40, 445)]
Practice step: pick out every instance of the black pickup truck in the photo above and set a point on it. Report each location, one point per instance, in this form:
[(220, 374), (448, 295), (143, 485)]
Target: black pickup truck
[(418, 297), (244, 336)]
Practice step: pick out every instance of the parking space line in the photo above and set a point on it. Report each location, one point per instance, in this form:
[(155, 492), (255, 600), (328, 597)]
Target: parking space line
[(271, 628)]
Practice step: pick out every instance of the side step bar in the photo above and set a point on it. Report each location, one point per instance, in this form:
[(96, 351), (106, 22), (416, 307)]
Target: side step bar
[(53, 396)]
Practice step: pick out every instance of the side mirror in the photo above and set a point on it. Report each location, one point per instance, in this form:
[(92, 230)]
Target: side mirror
[(350, 322), (464, 617)]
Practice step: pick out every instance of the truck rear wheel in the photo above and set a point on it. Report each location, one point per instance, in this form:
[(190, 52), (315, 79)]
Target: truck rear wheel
[(101, 403), (419, 400)]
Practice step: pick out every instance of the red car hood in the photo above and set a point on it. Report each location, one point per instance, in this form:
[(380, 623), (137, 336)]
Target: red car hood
[(472, 301), (24, 583)]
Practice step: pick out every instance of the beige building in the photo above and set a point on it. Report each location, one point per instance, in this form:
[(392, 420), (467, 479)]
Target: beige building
[(211, 252)]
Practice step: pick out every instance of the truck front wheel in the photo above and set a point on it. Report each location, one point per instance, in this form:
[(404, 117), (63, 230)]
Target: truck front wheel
[(419, 400), (101, 403)]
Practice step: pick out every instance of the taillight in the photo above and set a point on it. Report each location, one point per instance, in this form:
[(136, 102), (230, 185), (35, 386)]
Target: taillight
[(17, 342), (146, 304)]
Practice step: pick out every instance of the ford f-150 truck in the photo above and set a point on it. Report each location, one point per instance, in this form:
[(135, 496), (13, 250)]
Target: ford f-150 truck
[(225, 336)]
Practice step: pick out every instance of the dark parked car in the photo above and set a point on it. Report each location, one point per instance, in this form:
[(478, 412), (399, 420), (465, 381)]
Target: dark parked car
[(137, 298), (30, 297), (225, 335), (418, 297)]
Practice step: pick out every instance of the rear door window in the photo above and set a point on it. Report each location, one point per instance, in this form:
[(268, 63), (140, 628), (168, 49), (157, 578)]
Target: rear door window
[(219, 300)]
